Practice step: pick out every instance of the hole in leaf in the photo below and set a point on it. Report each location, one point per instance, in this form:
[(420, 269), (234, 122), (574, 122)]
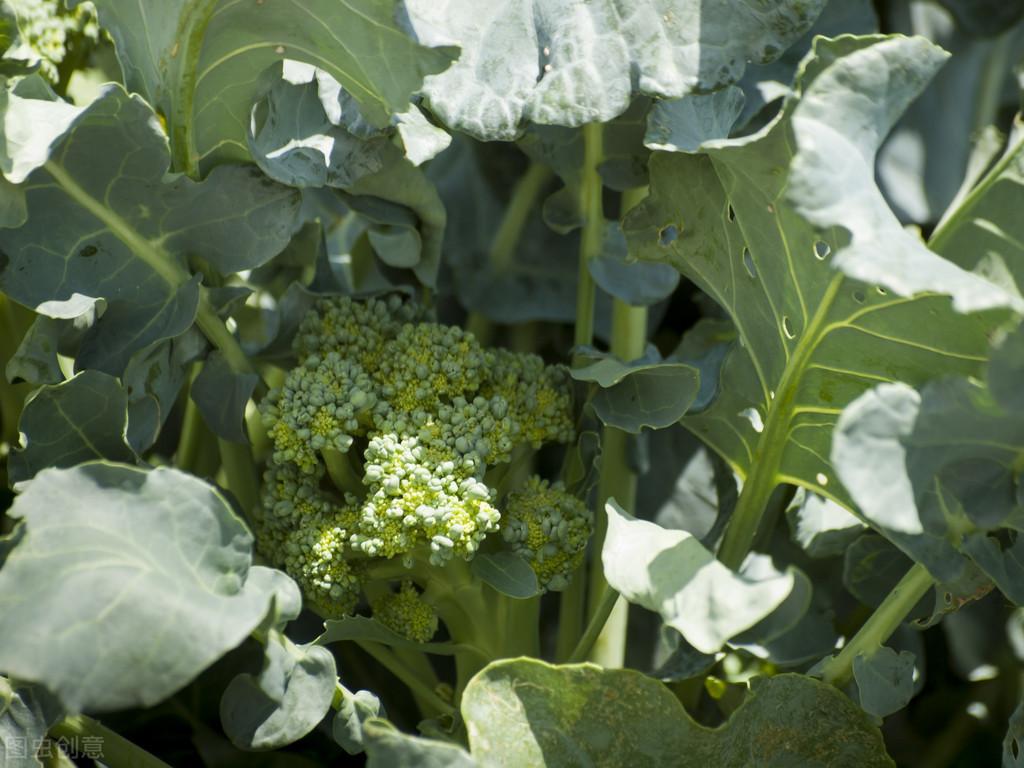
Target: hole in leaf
[(668, 235), (881, 290), (821, 250), (948, 597), (88, 251), (748, 262), (754, 417), (822, 478), (731, 213), (787, 327), (859, 297)]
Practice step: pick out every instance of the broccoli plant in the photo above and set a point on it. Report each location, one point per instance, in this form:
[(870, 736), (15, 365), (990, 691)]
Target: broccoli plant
[(545, 383)]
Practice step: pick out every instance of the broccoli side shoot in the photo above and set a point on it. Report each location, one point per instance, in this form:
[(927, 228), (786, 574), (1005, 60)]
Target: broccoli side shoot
[(382, 439)]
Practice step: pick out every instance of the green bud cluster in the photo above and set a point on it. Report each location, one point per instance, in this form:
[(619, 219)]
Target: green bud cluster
[(48, 29), (406, 613), (417, 412), (549, 528)]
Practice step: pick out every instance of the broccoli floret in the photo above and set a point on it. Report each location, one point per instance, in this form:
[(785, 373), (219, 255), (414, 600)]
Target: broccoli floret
[(549, 528), (383, 435), (406, 613), (48, 30)]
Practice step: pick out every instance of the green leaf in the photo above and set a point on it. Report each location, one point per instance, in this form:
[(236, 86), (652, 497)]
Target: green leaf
[(642, 393), (221, 396), (523, 712), (82, 419), (104, 222), (836, 137), (983, 229), (36, 358), (124, 584), (682, 125), (286, 701), (576, 63), (370, 630), (195, 61), (26, 714), (506, 572), (386, 747), (937, 471), (347, 726), (810, 338), (1013, 743), (821, 527), (671, 573), (299, 137), (634, 282), (885, 680), (872, 566)]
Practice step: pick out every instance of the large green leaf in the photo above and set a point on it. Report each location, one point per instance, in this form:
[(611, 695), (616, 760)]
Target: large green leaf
[(670, 572), (285, 701), (810, 338), (937, 472), (523, 712), (198, 61), (124, 584), (83, 419), (26, 714), (105, 222), (569, 62), (984, 229), (305, 132), (387, 747)]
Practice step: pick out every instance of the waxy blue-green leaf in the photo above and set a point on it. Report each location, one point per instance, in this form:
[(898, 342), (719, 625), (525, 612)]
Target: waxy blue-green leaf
[(105, 223), (1013, 743), (506, 572), (387, 747), (303, 136), (638, 283), (26, 714), (221, 395), (821, 527), (525, 712), (353, 712), (198, 62), (569, 62), (35, 360), (836, 136), (885, 680), (647, 392), (671, 573), (124, 584), (937, 471), (364, 629), (82, 419), (682, 125), (984, 229), (286, 701), (810, 338)]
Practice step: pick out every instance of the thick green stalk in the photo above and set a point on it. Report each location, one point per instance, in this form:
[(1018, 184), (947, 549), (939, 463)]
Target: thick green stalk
[(592, 211), (880, 625), (387, 659), (191, 430), (240, 473), (191, 30), (571, 612), (759, 484), (523, 200), (342, 473), (117, 751), (605, 608), (617, 480)]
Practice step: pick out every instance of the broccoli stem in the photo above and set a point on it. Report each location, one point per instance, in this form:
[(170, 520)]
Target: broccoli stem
[(618, 481), (592, 211), (117, 750), (240, 473), (880, 625), (341, 472), (609, 600), (390, 661)]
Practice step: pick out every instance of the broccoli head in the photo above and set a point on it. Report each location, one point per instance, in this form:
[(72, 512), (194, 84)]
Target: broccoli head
[(383, 437)]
